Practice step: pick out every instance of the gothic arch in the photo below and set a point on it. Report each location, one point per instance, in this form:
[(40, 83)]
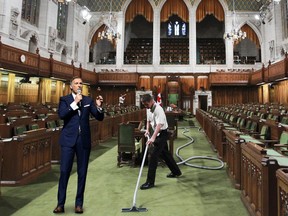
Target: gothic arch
[(187, 2), (29, 34), (222, 2), (254, 28), (127, 3)]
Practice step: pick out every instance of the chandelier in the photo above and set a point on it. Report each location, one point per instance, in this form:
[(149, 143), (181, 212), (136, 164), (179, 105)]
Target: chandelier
[(109, 32), (235, 34), (66, 1)]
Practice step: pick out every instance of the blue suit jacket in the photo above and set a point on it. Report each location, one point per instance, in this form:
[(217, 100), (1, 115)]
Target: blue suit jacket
[(72, 120)]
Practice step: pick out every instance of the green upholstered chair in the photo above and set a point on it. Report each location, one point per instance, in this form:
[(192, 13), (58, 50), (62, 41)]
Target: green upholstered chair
[(282, 146), (173, 99), (11, 119), (264, 136), (20, 129), (247, 126), (253, 126), (60, 122), (242, 123), (284, 120), (41, 116), (33, 126), (129, 147), (51, 124)]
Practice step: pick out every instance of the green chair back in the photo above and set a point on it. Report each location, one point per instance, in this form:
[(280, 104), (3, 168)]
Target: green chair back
[(126, 139), (253, 126), (248, 125), (265, 132), (18, 130), (284, 120), (33, 126), (51, 125), (284, 138)]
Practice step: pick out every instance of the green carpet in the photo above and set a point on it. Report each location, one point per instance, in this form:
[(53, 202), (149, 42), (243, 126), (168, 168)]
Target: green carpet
[(197, 192)]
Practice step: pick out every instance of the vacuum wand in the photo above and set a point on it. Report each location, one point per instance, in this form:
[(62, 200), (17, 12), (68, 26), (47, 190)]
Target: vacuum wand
[(134, 208)]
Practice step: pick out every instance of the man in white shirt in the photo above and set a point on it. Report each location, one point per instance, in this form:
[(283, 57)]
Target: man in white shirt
[(156, 119), (122, 99)]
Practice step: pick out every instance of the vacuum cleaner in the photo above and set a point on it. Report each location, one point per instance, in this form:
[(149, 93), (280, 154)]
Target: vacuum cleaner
[(134, 208)]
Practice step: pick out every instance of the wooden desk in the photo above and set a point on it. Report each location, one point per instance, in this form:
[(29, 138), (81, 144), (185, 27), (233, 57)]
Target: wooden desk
[(282, 191), (26, 158), (233, 155), (258, 178)]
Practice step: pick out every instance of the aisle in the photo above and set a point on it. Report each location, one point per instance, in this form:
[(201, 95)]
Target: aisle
[(197, 192)]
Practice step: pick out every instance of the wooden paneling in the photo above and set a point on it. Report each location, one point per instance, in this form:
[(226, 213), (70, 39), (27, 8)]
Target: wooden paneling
[(144, 82), (62, 70), (281, 93), (275, 71), (202, 82), (1, 159), (89, 77), (35, 65), (10, 58), (229, 78), (256, 77), (222, 95), (187, 84), (110, 78)]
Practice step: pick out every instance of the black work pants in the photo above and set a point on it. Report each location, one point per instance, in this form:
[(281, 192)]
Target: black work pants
[(161, 150)]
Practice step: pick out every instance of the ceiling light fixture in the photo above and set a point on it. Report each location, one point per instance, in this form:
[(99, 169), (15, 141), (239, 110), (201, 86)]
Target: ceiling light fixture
[(235, 34), (110, 31)]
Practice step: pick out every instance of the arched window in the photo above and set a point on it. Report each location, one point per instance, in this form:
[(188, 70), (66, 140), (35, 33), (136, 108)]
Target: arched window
[(30, 11), (62, 20)]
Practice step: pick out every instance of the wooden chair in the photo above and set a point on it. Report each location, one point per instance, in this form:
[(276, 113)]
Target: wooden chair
[(172, 125), (127, 144)]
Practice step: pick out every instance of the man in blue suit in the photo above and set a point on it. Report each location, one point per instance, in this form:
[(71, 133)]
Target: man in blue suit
[(75, 138)]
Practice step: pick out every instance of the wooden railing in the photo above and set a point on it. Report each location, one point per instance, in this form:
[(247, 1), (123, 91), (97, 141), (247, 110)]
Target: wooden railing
[(235, 78), (33, 64), (272, 72)]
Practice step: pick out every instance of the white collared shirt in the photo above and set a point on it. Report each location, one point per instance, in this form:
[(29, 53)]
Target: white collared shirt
[(157, 117), (74, 105)]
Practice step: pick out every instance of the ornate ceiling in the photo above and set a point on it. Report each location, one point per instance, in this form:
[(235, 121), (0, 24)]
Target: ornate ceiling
[(104, 5)]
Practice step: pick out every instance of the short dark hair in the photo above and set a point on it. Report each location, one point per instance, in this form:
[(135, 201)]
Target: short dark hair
[(73, 78), (146, 98)]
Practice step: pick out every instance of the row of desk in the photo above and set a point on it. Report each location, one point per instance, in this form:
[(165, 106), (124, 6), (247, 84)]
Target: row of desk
[(26, 157), (260, 173)]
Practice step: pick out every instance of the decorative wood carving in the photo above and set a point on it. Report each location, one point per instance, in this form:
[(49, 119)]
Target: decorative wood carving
[(118, 78), (229, 78)]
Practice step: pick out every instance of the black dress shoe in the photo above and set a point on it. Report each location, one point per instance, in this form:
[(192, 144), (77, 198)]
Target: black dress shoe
[(172, 175), (58, 210), (78, 210), (146, 185)]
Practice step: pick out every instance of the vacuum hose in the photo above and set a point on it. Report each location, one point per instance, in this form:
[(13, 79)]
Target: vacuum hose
[(186, 161)]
